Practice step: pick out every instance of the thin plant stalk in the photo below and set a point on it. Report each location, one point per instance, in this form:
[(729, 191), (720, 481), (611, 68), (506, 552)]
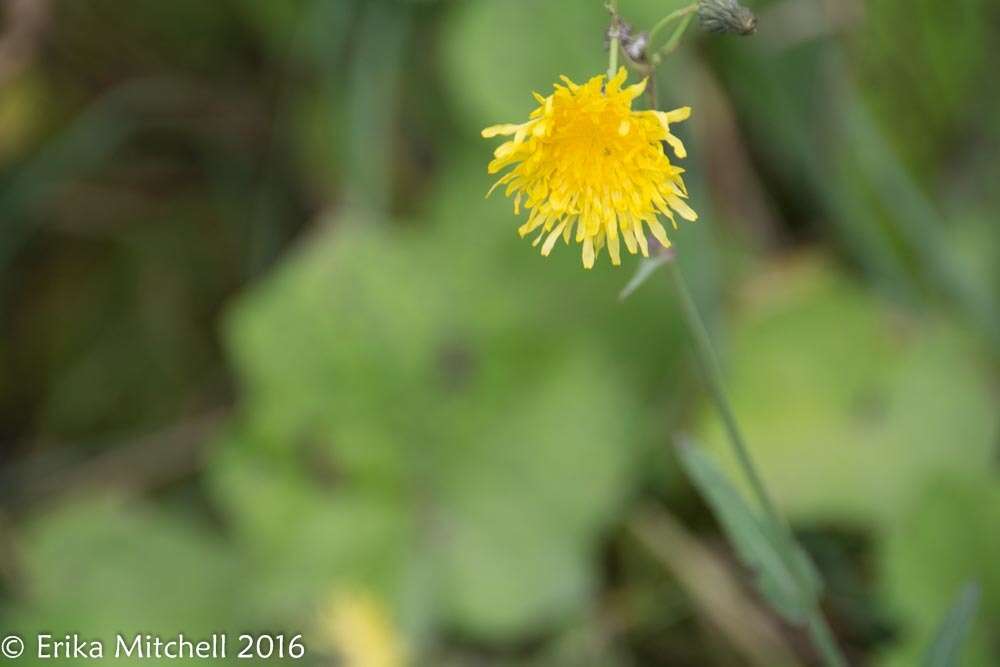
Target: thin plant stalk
[(675, 38), (612, 6), (819, 631), (671, 17), (713, 376)]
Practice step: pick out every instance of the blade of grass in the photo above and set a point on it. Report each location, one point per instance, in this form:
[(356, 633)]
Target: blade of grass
[(913, 215), (946, 649), (377, 70)]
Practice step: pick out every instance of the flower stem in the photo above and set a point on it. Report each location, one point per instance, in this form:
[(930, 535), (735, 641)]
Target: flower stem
[(818, 629), (672, 16), (612, 6), (713, 376), (675, 38)]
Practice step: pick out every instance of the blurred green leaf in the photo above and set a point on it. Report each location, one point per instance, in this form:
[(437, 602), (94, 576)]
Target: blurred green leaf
[(947, 647), (373, 387), (756, 539), (832, 391), (945, 538), (301, 538), (100, 568)]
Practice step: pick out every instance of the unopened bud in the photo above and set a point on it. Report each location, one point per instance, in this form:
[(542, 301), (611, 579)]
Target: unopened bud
[(726, 16)]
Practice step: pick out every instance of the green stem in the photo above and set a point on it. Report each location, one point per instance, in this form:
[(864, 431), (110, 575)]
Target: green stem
[(675, 38), (672, 16), (613, 48), (818, 629), (713, 375)]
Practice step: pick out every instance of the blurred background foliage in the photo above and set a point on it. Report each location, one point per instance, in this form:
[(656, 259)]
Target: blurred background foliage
[(270, 361)]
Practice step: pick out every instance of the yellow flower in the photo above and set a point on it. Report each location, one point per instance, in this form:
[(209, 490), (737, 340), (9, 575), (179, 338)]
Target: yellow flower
[(358, 628), (585, 159)]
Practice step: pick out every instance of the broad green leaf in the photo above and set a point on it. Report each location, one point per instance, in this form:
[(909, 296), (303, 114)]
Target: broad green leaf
[(102, 567), (947, 647), (401, 406), (792, 588), (832, 389)]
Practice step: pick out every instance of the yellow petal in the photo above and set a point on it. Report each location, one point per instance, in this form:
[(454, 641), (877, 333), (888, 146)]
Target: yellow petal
[(553, 237), (569, 84), (681, 207), (640, 237), (568, 230), (588, 253), (615, 84), (629, 236), (505, 179), (678, 115), (497, 130), (677, 145), (611, 229), (534, 221), (635, 90), (658, 231)]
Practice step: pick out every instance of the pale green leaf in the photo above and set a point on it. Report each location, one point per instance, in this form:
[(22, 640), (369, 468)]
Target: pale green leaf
[(646, 269), (791, 588), (388, 418)]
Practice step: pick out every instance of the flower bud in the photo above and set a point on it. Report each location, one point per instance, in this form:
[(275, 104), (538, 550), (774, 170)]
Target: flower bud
[(726, 16)]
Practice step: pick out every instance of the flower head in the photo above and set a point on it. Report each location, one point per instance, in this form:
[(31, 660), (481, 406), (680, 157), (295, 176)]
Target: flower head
[(588, 167)]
